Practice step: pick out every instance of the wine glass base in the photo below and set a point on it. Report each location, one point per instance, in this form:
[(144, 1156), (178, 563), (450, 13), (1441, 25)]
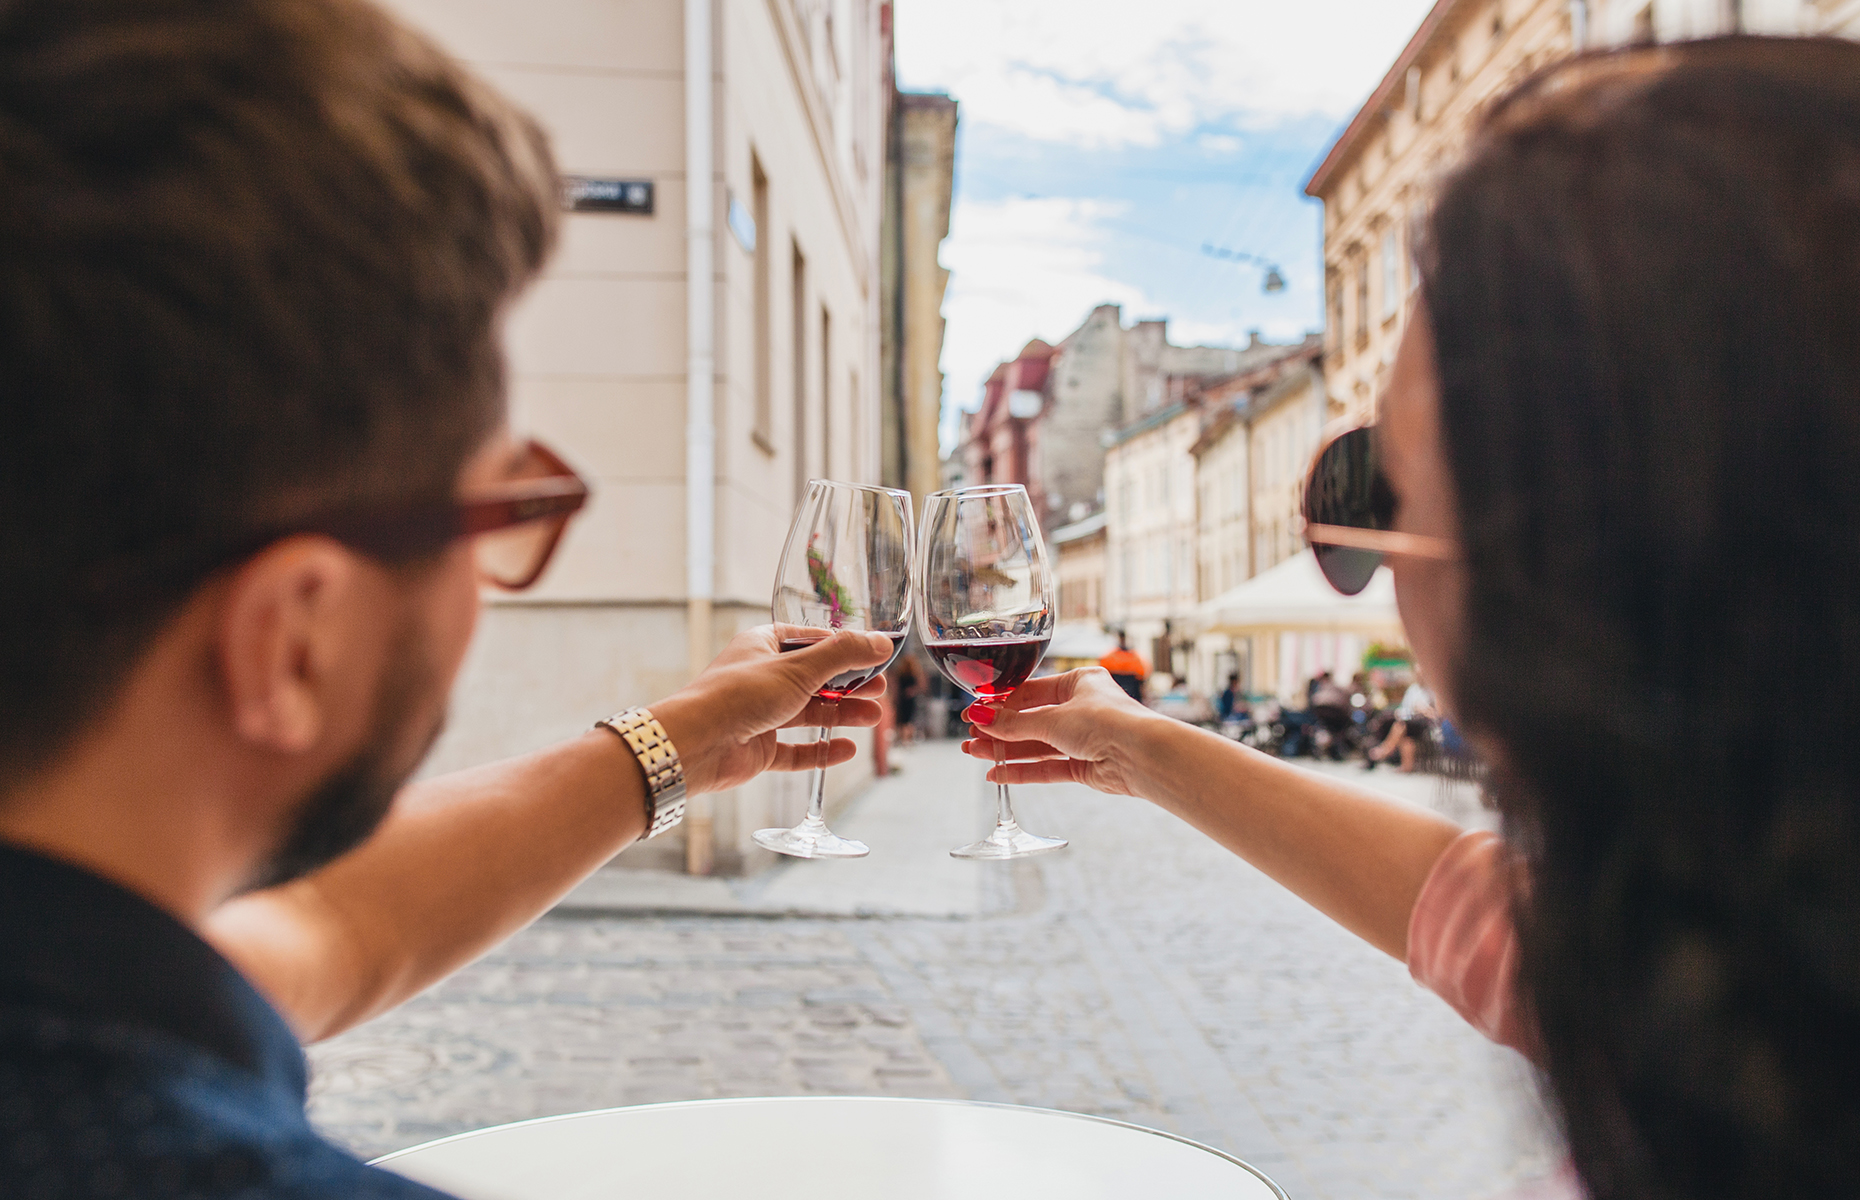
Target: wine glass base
[(810, 840), (1009, 841)]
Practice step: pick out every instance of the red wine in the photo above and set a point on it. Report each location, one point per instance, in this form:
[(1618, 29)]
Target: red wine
[(847, 682), (989, 667)]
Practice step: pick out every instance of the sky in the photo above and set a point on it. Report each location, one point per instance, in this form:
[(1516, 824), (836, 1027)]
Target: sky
[(1103, 143)]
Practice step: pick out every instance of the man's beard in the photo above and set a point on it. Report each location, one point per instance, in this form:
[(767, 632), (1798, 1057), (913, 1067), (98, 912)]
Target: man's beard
[(351, 804)]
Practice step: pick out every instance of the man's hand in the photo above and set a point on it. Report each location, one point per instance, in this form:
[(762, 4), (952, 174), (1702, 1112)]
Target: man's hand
[(1073, 728), (724, 721)]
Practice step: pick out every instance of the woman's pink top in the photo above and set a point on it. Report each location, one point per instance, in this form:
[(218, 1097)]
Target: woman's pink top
[(1462, 947)]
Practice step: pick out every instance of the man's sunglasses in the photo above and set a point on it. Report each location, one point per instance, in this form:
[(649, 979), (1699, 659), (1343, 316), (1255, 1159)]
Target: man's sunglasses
[(514, 525), (1349, 508)]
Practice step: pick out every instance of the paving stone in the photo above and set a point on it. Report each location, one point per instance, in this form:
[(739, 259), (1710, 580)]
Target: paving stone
[(1145, 974)]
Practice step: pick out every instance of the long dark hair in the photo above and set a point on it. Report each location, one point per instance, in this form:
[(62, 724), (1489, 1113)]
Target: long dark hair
[(1645, 290)]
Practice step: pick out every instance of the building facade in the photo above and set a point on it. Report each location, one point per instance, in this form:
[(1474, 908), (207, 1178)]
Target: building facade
[(1619, 22), (700, 357), (1151, 572), (1376, 180), (921, 164), (1046, 416), (1177, 522)]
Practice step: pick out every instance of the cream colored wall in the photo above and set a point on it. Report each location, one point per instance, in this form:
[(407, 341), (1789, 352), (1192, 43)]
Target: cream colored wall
[(1395, 162), (1158, 520), (597, 347), (1224, 479), (1284, 439), (1079, 566)]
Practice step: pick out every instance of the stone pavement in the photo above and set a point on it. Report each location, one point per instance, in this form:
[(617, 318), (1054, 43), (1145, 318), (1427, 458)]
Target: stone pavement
[(1143, 974)]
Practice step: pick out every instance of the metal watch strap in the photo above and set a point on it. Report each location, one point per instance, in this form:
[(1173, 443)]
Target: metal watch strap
[(658, 758)]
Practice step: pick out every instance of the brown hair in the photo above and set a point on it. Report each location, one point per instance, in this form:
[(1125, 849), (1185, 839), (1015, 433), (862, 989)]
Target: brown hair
[(253, 256), (1645, 291)]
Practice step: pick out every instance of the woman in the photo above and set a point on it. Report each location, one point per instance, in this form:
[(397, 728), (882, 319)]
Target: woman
[(1630, 405)]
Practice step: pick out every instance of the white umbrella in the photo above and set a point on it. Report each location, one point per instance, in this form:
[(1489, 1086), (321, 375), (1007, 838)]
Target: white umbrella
[(1081, 640), (1294, 598)]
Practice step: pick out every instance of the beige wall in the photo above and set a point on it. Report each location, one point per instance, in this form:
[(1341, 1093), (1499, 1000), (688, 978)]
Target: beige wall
[(1080, 568), (1151, 529), (598, 347), (1285, 436), (927, 146), (1223, 472)]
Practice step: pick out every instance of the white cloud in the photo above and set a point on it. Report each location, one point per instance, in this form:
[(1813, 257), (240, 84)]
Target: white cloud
[(1021, 268), (1109, 73)]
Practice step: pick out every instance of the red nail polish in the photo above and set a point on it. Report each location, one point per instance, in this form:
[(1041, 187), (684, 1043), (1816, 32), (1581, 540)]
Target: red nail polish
[(981, 714)]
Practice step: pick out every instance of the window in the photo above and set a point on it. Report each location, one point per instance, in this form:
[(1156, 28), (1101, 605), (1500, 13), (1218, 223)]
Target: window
[(1333, 283), (1391, 271), (798, 310), (763, 431), (1362, 303)]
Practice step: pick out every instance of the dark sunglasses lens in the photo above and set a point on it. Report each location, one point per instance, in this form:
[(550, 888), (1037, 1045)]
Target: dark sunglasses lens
[(1348, 570), (1346, 488)]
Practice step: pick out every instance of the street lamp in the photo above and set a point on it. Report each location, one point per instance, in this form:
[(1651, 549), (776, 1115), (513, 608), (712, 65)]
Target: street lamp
[(1274, 281)]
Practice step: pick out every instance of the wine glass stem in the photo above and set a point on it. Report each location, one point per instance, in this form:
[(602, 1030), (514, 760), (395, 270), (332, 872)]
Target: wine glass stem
[(1004, 805), (816, 807)]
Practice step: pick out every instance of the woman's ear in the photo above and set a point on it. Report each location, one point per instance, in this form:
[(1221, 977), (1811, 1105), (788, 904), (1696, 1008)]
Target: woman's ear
[(286, 614)]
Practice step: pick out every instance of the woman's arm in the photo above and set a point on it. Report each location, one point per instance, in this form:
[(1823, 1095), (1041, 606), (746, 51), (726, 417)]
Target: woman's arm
[(1355, 855), (466, 860)]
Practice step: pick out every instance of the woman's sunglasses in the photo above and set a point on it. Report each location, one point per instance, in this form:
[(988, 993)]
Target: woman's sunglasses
[(1349, 508)]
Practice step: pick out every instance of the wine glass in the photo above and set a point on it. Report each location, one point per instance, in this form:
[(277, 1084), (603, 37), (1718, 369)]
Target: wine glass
[(846, 566), (985, 609)]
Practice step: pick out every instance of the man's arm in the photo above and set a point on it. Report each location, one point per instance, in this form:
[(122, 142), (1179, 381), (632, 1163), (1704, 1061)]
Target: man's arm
[(466, 860)]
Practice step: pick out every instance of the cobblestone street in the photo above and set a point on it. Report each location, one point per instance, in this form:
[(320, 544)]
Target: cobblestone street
[(1144, 974)]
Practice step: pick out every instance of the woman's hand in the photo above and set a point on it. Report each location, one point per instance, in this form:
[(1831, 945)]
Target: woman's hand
[(1079, 727), (724, 721)]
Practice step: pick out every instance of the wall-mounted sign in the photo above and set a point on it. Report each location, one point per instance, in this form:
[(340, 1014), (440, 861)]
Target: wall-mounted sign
[(580, 193)]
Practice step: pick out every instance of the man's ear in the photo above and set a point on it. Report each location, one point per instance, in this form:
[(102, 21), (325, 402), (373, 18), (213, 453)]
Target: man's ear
[(281, 631)]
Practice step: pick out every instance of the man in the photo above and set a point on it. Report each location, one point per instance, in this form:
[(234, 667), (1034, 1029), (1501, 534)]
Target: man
[(1230, 704), (256, 254), (1128, 670)]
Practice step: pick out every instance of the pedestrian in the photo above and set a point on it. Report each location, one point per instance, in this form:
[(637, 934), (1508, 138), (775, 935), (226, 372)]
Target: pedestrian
[(257, 466), (907, 684), (1126, 668), (1619, 469), (1231, 704)]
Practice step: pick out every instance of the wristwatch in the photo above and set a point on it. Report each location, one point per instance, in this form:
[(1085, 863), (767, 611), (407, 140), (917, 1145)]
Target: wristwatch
[(658, 758)]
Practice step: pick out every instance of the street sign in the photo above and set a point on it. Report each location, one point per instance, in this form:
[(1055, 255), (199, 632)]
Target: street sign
[(580, 193)]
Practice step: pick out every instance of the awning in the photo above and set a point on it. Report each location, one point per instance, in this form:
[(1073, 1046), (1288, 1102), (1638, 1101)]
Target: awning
[(1081, 640), (1293, 597)]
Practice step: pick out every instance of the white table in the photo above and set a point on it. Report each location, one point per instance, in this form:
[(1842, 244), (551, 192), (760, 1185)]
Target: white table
[(828, 1148)]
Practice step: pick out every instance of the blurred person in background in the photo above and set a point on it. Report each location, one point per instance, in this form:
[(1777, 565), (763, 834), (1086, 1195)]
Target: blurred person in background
[(1126, 668), (1230, 704), (907, 684), (257, 256), (1414, 724), (1625, 421)]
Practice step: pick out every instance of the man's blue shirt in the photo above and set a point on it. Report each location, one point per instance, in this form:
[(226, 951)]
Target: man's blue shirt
[(135, 1061)]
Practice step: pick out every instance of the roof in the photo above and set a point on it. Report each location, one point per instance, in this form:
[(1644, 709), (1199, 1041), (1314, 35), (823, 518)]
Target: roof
[(1161, 416), (1343, 149), (1079, 529)]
